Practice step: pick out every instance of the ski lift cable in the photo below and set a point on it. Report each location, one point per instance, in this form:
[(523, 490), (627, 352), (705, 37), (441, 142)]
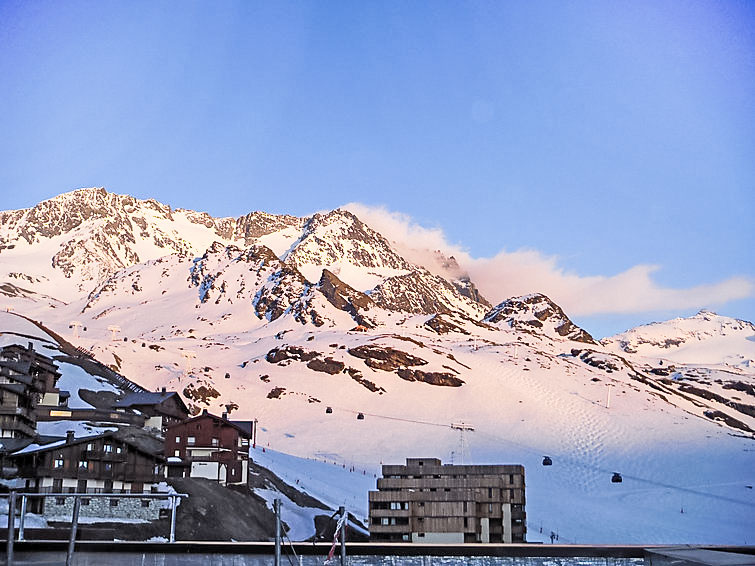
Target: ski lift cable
[(392, 418), (584, 465), (576, 462)]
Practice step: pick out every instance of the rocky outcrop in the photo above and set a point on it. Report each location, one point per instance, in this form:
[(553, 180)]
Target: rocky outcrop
[(328, 365), (430, 377), (537, 313), (385, 358), (296, 353), (421, 292), (442, 324), (345, 298)]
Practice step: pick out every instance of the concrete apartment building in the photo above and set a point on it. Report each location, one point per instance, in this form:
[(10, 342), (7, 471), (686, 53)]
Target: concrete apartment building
[(427, 501)]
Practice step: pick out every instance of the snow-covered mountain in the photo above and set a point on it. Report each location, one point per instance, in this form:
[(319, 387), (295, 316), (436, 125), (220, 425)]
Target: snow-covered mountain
[(277, 318)]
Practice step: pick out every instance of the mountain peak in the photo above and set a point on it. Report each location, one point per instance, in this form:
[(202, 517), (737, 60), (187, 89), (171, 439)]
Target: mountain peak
[(537, 311)]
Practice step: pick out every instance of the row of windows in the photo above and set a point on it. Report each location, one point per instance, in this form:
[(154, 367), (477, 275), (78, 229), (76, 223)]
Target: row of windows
[(60, 462), (192, 440), (439, 476)]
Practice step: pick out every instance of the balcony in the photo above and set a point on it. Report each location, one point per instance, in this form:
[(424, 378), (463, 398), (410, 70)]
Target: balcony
[(103, 455)]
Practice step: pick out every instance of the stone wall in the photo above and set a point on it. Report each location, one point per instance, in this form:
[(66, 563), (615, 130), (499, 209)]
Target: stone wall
[(131, 509)]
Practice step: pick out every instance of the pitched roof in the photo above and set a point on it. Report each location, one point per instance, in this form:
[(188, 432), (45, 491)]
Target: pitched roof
[(133, 436), (148, 398), (235, 424)]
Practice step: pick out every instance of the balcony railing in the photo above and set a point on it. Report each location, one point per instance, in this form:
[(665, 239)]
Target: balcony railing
[(14, 496)]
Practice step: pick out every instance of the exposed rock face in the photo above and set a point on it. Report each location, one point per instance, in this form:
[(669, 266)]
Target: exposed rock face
[(537, 311), (345, 298), (599, 360), (384, 357), (340, 237), (328, 365), (443, 325), (431, 377), (421, 292), (297, 353), (257, 224), (466, 288)]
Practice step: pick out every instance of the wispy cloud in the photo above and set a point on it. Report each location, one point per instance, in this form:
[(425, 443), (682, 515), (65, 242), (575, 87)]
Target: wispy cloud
[(509, 274)]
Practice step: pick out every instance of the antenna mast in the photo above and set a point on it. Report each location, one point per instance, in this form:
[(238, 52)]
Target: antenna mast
[(462, 427)]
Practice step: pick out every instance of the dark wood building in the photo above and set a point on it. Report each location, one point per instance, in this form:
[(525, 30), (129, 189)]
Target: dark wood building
[(26, 376), (208, 446), (122, 461), (426, 501), (162, 409)]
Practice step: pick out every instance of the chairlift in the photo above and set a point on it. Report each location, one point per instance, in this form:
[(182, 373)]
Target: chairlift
[(360, 416), (616, 478), (329, 410), (547, 461)]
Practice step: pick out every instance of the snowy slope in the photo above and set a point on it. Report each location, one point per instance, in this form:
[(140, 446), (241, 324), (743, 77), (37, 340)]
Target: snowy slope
[(304, 314)]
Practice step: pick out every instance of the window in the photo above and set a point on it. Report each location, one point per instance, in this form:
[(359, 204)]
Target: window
[(191, 440), (85, 501), (60, 500), (57, 485), (108, 467), (490, 492), (466, 523), (90, 446), (384, 521), (511, 478), (118, 449), (177, 453), (113, 503), (178, 440), (145, 502), (215, 442), (108, 448), (83, 465), (421, 535), (490, 507), (58, 462)]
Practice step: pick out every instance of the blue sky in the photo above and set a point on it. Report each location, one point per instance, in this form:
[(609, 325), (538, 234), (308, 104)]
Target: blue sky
[(599, 135)]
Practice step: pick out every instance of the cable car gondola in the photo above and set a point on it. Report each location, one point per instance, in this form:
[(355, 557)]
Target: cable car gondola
[(547, 461), (616, 478), (329, 410), (360, 416)]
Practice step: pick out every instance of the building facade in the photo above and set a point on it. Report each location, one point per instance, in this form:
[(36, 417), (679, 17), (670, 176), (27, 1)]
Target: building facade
[(111, 462), (208, 446), (26, 377), (427, 501), (161, 409)]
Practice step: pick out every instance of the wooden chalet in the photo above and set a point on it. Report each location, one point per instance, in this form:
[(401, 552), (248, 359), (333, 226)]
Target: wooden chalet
[(26, 376), (161, 409), (208, 446), (122, 461)]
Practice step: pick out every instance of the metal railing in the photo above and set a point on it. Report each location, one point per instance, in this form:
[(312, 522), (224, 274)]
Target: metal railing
[(77, 497)]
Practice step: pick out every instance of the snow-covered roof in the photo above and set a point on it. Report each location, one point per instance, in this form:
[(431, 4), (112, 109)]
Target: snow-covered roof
[(34, 447)]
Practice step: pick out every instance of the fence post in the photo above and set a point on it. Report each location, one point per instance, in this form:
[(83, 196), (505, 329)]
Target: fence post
[(342, 511), (74, 528), (22, 519), (277, 509), (11, 526), (172, 518)]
